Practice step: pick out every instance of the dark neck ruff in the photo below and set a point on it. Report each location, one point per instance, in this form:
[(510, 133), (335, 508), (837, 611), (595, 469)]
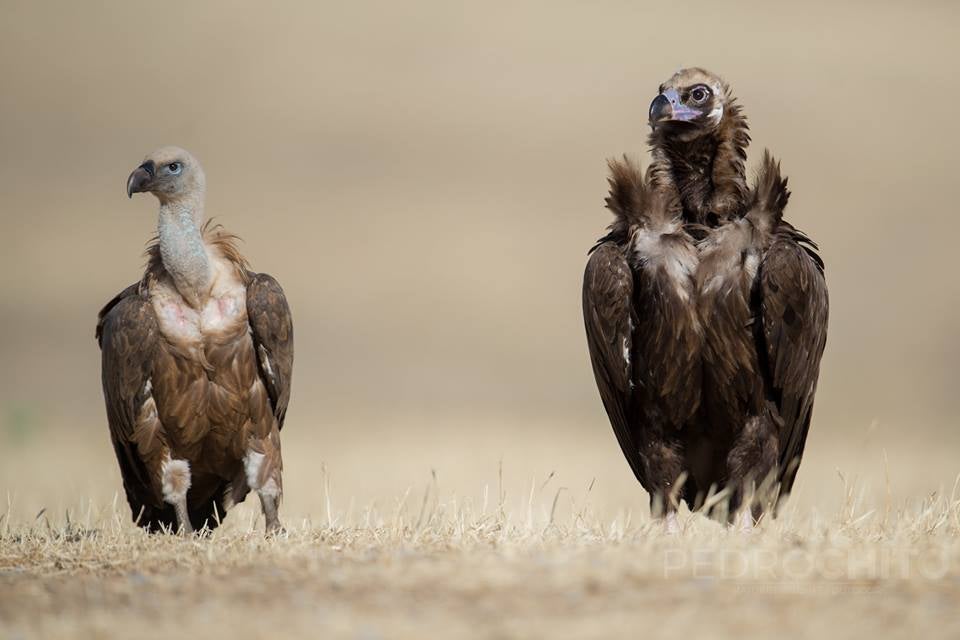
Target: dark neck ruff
[(691, 165), (707, 172)]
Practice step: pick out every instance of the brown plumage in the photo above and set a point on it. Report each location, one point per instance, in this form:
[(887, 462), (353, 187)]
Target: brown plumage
[(197, 359), (705, 311)]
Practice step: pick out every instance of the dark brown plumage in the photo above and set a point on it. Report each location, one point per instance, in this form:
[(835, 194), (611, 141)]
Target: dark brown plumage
[(197, 361), (705, 311)]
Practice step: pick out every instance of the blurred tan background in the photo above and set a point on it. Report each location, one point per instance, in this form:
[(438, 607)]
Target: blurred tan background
[(425, 180)]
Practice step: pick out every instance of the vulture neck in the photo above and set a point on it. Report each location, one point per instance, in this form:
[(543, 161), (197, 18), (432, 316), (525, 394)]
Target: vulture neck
[(182, 249), (708, 172)]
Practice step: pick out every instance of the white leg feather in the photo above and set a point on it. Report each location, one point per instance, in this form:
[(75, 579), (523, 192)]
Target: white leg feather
[(175, 482)]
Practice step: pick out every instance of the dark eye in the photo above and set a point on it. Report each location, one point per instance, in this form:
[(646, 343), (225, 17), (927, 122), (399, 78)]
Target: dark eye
[(699, 94), (174, 167)]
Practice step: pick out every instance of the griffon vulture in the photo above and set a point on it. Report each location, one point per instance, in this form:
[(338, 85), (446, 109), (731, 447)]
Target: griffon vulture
[(196, 363), (705, 311)]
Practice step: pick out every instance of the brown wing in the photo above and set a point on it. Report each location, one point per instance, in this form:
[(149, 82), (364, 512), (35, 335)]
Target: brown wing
[(609, 317), (793, 309), (272, 328), (128, 335), (107, 308)]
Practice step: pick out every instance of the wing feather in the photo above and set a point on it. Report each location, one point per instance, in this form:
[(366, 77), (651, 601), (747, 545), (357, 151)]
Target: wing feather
[(609, 318), (272, 328), (128, 334), (793, 312)]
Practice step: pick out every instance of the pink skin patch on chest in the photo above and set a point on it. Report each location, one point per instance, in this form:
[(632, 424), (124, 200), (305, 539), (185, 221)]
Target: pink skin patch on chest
[(176, 313)]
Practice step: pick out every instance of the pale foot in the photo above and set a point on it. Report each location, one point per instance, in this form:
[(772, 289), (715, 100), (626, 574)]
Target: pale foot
[(184, 527), (175, 479), (743, 523), (671, 526)]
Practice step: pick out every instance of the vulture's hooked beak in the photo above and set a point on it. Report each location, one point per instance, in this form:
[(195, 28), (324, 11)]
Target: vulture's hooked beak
[(667, 107), (139, 180)]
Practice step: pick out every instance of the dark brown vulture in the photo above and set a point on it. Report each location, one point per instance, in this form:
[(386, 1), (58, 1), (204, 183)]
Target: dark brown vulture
[(196, 363), (705, 311)]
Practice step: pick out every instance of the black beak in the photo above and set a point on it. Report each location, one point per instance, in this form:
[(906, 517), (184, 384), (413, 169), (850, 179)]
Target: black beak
[(660, 109), (139, 180)]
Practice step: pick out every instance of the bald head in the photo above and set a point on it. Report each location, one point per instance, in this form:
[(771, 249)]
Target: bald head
[(690, 103), (171, 174)]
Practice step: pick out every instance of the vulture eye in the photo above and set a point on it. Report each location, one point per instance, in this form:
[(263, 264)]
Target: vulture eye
[(174, 167), (699, 94)]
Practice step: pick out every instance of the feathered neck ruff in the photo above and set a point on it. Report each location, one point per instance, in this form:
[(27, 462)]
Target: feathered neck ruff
[(216, 238), (708, 171), (636, 204)]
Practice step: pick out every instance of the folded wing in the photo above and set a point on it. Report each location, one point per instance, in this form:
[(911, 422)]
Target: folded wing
[(609, 317), (271, 326)]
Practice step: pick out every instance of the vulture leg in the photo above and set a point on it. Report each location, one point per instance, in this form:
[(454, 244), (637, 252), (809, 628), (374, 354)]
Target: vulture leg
[(183, 519), (670, 524), (270, 505), (744, 522), (750, 465), (264, 467), (664, 468), (175, 476)]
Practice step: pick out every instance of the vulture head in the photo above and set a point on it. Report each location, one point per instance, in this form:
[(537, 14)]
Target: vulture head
[(691, 104), (169, 173)]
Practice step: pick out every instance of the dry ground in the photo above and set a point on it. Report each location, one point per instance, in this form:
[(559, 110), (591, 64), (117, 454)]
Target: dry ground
[(524, 554)]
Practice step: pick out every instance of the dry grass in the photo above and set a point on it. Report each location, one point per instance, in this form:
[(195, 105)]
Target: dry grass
[(434, 566)]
